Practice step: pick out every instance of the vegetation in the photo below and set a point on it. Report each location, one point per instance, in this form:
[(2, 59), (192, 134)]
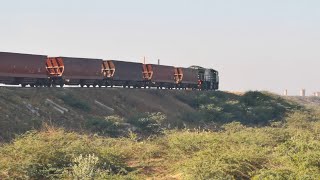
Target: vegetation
[(286, 150), (90, 110), (252, 108), (146, 124), (251, 136), (75, 102)]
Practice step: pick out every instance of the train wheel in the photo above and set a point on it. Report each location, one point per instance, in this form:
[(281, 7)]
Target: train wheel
[(81, 85)]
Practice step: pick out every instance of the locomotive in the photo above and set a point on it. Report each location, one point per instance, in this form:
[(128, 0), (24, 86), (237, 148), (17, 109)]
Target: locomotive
[(44, 71)]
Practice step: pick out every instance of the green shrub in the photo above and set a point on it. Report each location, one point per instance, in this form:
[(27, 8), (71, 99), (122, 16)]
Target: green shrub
[(209, 155), (48, 154), (236, 163), (234, 127), (148, 123), (111, 125), (187, 143), (252, 108), (193, 117), (300, 119), (75, 102), (241, 152), (291, 151), (288, 149)]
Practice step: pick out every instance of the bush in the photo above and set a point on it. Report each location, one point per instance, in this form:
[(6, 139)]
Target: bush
[(234, 127), (236, 163), (300, 119), (240, 152), (290, 151), (193, 117), (252, 108), (84, 167), (149, 123), (209, 155), (48, 154), (75, 102), (111, 125)]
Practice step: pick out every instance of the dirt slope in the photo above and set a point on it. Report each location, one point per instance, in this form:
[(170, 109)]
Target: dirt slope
[(22, 109), (93, 109)]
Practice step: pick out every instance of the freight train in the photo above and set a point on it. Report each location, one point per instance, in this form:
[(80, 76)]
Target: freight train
[(43, 71)]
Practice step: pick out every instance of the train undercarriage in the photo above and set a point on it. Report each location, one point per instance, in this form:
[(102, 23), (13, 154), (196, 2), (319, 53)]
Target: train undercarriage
[(106, 83)]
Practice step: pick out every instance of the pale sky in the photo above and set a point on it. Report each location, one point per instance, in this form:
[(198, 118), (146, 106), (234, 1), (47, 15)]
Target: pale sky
[(254, 44)]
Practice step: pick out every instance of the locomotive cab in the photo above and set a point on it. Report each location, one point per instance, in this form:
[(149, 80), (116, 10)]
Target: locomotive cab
[(211, 79), (208, 78)]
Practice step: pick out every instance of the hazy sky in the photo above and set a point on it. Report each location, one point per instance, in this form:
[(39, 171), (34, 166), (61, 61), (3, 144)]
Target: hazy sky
[(255, 45)]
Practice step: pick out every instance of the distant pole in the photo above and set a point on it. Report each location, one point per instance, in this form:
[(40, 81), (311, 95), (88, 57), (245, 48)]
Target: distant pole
[(144, 60), (285, 93), (158, 61)]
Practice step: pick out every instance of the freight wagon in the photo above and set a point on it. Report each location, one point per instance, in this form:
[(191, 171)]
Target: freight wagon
[(23, 69), (121, 73), (75, 71), (189, 78), (162, 76)]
